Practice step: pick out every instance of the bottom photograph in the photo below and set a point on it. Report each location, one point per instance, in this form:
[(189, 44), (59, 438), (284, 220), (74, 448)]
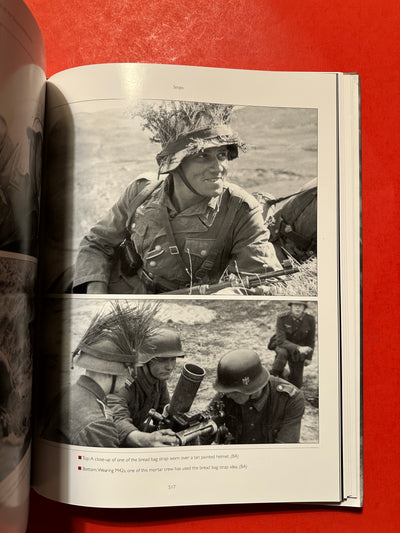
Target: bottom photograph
[(132, 373)]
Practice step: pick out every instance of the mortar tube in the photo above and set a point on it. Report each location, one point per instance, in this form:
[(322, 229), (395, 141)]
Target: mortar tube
[(186, 389)]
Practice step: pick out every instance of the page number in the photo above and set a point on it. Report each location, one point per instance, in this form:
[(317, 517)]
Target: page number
[(171, 487)]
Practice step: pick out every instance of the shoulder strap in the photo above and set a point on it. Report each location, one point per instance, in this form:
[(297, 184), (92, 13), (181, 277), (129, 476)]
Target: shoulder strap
[(233, 207), (141, 197), (307, 188)]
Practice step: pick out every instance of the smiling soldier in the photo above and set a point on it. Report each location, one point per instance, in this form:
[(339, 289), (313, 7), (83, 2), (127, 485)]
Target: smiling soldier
[(186, 229)]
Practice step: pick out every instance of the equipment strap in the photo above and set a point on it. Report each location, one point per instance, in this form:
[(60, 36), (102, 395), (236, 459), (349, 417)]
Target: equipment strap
[(274, 201), (172, 246), (140, 198), (233, 207), (208, 264)]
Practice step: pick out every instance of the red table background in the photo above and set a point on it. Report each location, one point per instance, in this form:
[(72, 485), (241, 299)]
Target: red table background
[(360, 36)]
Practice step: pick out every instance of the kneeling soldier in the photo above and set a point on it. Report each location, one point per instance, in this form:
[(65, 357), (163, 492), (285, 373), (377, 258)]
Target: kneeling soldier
[(259, 408), (148, 390), (294, 342)]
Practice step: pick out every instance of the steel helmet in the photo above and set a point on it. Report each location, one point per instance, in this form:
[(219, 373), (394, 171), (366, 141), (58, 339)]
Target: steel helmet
[(164, 342), (104, 357), (109, 345), (241, 371), (186, 128), (298, 302)]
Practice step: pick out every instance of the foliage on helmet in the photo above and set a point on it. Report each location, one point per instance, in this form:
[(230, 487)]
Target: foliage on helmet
[(126, 326), (169, 120)]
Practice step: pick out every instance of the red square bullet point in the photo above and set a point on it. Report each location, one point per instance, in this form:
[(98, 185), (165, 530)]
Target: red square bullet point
[(79, 468), (79, 456)]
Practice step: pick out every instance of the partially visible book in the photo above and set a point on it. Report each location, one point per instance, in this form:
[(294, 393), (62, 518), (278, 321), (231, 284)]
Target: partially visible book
[(212, 211)]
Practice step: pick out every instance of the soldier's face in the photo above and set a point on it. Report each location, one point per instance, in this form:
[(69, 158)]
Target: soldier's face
[(162, 367), (207, 170), (297, 309), (241, 398)]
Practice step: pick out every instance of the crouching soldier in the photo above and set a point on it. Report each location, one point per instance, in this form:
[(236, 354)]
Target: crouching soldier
[(81, 415), (294, 342), (148, 390), (259, 408)]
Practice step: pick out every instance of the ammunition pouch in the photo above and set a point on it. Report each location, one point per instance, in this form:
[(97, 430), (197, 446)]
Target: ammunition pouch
[(130, 260)]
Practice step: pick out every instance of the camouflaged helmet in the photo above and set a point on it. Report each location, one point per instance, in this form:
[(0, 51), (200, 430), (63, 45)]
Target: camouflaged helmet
[(165, 342), (241, 371), (104, 357), (187, 128), (111, 343)]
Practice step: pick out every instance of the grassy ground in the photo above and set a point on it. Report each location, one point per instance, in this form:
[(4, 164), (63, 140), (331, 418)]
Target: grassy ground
[(209, 328)]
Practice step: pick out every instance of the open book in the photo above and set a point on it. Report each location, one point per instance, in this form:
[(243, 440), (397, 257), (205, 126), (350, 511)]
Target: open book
[(182, 280)]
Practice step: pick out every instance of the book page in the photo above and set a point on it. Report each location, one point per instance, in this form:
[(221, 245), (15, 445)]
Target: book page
[(22, 91), (97, 149)]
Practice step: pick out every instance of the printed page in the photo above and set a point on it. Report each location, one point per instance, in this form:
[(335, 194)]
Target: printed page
[(22, 91), (117, 428)]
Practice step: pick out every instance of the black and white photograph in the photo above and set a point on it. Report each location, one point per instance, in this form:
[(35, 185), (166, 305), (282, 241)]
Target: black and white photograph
[(22, 95), (150, 373), (190, 281), (20, 175), (17, 279), (160, 196), (177, 246)]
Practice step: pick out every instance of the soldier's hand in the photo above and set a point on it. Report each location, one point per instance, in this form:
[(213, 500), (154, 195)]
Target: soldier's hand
[(307, 362), (165, 412), (303, 349), (259, 290), (163, 437)]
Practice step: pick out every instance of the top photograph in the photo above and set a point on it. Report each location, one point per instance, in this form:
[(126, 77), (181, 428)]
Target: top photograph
[(181, 197)]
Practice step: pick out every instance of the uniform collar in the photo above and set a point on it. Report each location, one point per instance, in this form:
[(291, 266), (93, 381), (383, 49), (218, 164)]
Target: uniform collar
[(147, 381), (260, 402), (297, 319), (89, 384), (206, 209)]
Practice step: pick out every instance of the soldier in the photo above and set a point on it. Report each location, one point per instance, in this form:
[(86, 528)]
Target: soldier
[(294, 342), (131, 406), (187, 228), (294, 225), (259, 408), (81, 415)]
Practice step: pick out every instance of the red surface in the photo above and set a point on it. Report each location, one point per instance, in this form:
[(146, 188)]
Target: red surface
[(345, 35)]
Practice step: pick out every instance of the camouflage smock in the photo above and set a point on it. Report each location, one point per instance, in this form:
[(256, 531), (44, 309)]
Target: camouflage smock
[(246, 247)]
